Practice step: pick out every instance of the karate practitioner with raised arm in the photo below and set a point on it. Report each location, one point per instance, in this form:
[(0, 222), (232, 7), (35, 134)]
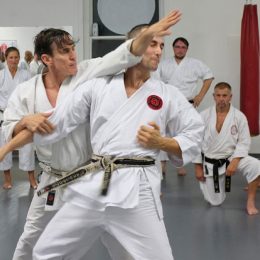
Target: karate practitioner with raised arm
[(43, 92), (129, 114)]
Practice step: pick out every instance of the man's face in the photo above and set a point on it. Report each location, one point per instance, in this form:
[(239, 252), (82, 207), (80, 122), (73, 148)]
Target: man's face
[(222, 98), (153, 53), (180, 50), (64, 60), (28, 57)]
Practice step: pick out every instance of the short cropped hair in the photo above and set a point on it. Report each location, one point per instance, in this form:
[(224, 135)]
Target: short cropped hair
[(136, 30), (185, 41), (222, 85)]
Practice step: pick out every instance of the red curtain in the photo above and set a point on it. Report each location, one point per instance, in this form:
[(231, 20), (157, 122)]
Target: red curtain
[(249, 76)]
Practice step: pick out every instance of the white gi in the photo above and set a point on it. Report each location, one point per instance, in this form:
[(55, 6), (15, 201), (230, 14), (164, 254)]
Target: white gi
[(36, 67), (7, 86), (2, 65), (233, 141), (183, 76), (132, 210), (29, 98), (24, 65)]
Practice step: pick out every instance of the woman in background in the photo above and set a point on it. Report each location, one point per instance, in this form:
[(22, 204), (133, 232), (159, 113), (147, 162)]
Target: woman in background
[(10, 77)]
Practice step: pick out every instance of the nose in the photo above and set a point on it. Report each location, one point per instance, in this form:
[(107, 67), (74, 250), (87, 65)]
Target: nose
[(73, 55), (158, 51)]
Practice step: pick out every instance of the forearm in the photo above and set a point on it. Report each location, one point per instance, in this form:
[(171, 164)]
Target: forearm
[(205, 87), (235, 161), (232, 167), (22, 138), (170, 145), (19, 127)]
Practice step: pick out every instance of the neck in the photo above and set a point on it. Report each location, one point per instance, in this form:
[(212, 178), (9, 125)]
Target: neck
[(223, 110), (13, 71), (178, 60), (134, 78), (52, 81)]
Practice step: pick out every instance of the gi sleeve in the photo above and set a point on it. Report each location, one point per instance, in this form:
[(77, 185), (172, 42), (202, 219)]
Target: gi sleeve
[(18, 106), (186, 127), (244, 140), (70, 113), (204, 71), (113, 62)]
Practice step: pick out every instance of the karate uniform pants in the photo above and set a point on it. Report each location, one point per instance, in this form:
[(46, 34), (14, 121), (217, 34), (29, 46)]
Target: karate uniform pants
[(248, 166), (38, 218), (26, 157), (73, 230)]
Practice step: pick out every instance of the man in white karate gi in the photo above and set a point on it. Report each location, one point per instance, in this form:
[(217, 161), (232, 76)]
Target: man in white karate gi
[(184, 73), (127, 113), (225, 151), (43, 92)]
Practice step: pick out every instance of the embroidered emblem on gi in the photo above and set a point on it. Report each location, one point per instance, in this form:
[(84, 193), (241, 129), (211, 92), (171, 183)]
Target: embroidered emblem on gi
[(154, 102), (234, 130)]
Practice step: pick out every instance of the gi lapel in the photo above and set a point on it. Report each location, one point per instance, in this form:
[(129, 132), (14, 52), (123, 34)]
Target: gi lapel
[(131, 104)]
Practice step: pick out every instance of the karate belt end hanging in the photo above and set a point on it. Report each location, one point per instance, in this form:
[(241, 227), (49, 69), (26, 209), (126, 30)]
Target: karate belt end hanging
[(217, 163), (108, 163)]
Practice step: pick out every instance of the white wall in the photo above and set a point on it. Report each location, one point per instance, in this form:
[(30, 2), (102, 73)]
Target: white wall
[(213, 30), (49, 13), (24, 36)]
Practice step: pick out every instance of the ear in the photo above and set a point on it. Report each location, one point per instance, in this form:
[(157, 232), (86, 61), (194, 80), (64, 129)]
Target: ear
[(47, 59)]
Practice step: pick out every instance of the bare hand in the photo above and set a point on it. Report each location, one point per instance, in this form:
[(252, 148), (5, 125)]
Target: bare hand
[(149, 137), (232, 167), (197, 100), (38, 123), (162, 28), (199, 172)]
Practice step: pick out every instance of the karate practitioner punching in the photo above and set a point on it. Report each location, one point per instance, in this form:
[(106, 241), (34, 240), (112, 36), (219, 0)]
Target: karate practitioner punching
[(128, 114), (225, 150), (57, 51)]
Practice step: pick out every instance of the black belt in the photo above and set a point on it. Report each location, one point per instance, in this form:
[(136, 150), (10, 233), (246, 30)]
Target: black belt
[(125, 161), (108, 163), (217, 163), (191, 101)]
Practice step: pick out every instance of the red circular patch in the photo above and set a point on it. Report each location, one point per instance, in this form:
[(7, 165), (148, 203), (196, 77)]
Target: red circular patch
[(154, 102)]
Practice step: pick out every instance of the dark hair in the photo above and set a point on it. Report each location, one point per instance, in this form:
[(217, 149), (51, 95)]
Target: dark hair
[(222, 85), (43, 41), (10, 49), (185, 41), (136, 30)]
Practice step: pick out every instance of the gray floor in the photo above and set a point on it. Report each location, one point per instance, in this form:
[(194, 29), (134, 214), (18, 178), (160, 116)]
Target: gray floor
[(196, 231)]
